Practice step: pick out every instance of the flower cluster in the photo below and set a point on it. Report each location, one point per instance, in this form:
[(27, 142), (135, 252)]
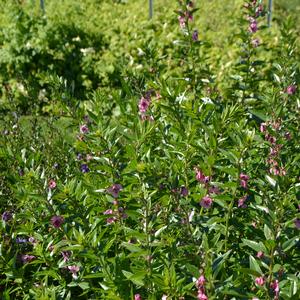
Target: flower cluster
[(291, 89), (200, 285), (145, 103), (254, 10), (57, 221), (206, 201), (186, 13), (273, 159)]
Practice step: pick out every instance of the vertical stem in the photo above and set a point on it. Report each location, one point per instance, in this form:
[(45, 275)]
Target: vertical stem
[(270, 12), (150, 9), (42, 3)]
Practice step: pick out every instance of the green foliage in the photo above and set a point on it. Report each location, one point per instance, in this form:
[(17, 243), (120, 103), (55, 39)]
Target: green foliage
[(146, 158)]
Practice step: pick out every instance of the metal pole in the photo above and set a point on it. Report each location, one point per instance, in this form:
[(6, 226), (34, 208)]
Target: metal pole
[(270, 12), (42, 3), (150, 9)]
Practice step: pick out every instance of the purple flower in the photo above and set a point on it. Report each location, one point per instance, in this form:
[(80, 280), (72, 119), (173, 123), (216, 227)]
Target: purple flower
[(20, 240), (253, 26), (195, 35), (25, 258), (297, 223), (74, 270), (84, 129), (115, 189), (84, 168), (21, 172), (291, 89), (184, 191), (66, 255), (206, 202), (143, 105), (6, 216), (111, 220), (57, 221)]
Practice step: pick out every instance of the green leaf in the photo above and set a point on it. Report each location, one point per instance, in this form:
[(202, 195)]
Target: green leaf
[(218, 263), (249, 271), (290, 243), (255, 246), (268, 233), (84, 285), (271, 180), (132, 247), (254, 265)]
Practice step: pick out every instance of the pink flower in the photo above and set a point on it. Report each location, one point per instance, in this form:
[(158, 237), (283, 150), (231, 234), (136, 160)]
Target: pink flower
[(201, 177), (84, 129), (74, 270), (260, 254), (255, 298), (137, 297), (147, 118), (57, 221), (244, 180), (66, 255), (52, 184), (108, 212), (260, 281), (143, 105), (181, 20), (214, 190), (189, 15), (288, 136), (201, 295), (275, 286), (291, 89), (244, 177), (32, 240), (263, 127), (275, 171), (115, 189), (25, 258), (253, 27), (255, 43), (206, 202), (111, 220), (297, 223), (241, 202), (200, 282), (164, 297), (244, 184)]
